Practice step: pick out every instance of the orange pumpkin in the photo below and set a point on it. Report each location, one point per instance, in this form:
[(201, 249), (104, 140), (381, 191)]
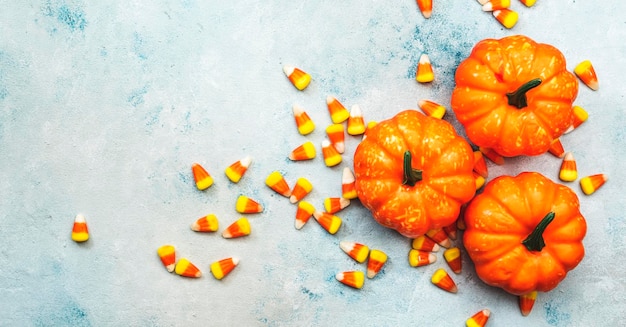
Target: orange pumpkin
[(413, 173), (514, 95), (524, 233)]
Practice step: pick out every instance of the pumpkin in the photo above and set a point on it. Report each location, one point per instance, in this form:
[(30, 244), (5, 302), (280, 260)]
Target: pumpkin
[(413, 173), (514, 95), (524, 233)]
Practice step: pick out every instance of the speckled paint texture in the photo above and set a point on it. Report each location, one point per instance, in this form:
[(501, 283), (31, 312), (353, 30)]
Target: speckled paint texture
[(105, 105)]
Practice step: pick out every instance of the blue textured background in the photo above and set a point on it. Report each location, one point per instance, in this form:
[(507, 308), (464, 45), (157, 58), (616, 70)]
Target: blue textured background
[(105, 105)]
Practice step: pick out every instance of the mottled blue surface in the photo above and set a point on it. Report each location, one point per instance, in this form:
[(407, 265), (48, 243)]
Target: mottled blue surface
[(105, 105)]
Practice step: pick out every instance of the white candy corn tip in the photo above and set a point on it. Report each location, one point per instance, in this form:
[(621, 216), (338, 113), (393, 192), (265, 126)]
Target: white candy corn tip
[(235, 260), (432, 258), (293, 199), (79, 219), (246, 161), (297, 110), (347, 176), (325, 143), (330, 99), (424, 59), (288, 70), (299, 224), (355, 111), (346, 246)]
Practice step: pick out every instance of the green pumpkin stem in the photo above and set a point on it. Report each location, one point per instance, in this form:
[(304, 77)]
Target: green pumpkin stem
[(534, 241), (518, 97), (411, 176)]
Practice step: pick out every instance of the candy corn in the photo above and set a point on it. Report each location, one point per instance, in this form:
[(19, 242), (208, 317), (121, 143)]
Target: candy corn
[(239, 228), (348, 184), (187, 269), (579, 116), (167, 254), (479, 319), (375, 263), (482, 2), (303, 213), (526, 302), (247, 205), (277, 182), (460, 221), (419, 258), (304, 151), (556, 148), (223, 267), (439, 236), (424, 243), (453, 258), (492, 155), (424, 72), (328, 221), (356, 251), (568, 172), (303, 121), (207, 223), (368, 127), (479, 180), (300, 190), (496, 5), (331, 156), (80, 233), (426, 7), (298, 77), (333, 205), (235, 171), (338, 113), (592, 183), (432, 109), (480, 165), (528, 3), (336, 137), (442, 280), (201, 176), (351, 278), (451, 231), (356, 124), (507, 17), (587, 74)]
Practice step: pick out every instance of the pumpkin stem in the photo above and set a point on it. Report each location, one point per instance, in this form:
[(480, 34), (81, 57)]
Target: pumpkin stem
[(518, 97), (534, 241), (411, 176)]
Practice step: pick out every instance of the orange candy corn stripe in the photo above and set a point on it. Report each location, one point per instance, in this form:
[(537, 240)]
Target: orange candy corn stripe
[(556, 148), (418, 258), (336, 136), (80, 232), (432, 109), (305, 151), (568, 171), (453, 258), (587, 74), (492, 155), (526, 302), (299, 78), (496, 5), (353, 279), (424, 72), (338, 113), (357, 251), (507, 17), (333, 205), (451, 231), (247, 205), (348, 184), (356, 124), (442, 280), (300, 190), (167, 254), (329, 222), (303, 121), (480, 165), (424, 243), (592, 183), (187, 269), (303, 213), (202, 178), (439, 236), (239, 228), (331, 156), (479, 319), (426, 7), (222, 268), (375, 263), (277, 182), (235, 171), (207, 223)]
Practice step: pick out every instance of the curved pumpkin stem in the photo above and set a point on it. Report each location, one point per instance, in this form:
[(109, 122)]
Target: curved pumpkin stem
[(411, 176), (518, 97), (534, 241)]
